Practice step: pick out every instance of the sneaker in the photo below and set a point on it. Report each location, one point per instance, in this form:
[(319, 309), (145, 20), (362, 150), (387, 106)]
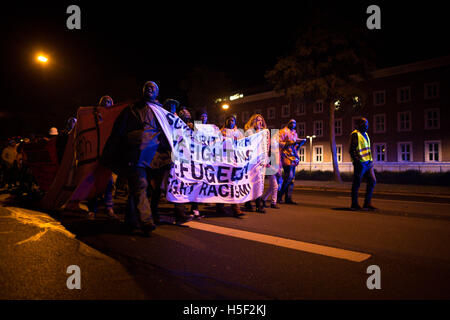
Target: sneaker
[(274, 206)]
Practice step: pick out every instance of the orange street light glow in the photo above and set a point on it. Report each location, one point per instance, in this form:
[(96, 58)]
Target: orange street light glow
[(42, 59), (225, 106)]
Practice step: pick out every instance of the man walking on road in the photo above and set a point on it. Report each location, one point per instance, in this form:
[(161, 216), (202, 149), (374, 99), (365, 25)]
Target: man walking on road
[(361, 153)]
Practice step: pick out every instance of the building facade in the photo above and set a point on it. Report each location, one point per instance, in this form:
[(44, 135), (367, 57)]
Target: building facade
[(408, 109)]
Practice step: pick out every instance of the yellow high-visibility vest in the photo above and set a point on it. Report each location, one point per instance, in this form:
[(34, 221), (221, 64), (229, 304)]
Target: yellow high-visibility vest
[(364, 147)]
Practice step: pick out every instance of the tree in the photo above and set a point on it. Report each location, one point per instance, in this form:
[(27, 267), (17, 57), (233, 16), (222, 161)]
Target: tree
[(328, 62)]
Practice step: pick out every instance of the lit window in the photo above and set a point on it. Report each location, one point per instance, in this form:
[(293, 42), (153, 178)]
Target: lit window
[(302, 154), (380, 152), (339, 152), (405, 152), (318, 154), (432, 151), (432, 118)]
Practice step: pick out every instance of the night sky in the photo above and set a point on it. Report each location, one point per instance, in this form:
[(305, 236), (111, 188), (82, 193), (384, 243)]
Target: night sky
[(123, 44)]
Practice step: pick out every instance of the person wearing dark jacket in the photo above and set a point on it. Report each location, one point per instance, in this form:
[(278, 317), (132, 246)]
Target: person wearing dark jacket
[(135, 140), (361, 154)]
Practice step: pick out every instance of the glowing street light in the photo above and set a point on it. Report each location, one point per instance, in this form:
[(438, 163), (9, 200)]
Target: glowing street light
[(42, 59), (225, 106)]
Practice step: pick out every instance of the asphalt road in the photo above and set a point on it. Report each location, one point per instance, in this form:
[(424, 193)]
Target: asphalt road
[(289, 254)]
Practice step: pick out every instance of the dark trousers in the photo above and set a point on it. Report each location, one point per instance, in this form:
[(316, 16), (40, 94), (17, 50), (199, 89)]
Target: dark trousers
[(138, 207), (288, 183), (361, 170)]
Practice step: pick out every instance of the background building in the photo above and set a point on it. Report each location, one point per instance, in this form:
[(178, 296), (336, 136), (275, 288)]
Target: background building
[(407, 107)]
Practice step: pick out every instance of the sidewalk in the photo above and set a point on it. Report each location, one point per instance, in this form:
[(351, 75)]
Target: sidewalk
[(380, 188)]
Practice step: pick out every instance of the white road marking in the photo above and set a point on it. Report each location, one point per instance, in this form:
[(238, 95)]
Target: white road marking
[(282, 242), (407, 201)]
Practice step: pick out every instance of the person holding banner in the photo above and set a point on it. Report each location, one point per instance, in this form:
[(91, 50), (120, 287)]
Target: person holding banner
[(255, 124), (135, 139), (230, 130), (92, 204), (289, 146)]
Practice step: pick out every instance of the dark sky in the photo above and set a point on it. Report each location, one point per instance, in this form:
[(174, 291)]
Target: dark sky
[(123, 44)]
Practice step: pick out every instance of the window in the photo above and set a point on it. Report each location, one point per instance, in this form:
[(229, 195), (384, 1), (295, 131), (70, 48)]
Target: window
[(318, 106), (405, 152), (270, 113), (431, 90), (301, 129), (339, 152), (404, 121), (338, 127), (318, 128), (432, 151), (432, 118), (379, 98), (318, 153), (404, 94), (302, 154), (300, 109), (285, 111), (380, 152), (379, 123)]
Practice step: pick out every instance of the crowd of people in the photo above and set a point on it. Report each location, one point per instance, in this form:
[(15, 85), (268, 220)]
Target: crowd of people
[(137, 151)]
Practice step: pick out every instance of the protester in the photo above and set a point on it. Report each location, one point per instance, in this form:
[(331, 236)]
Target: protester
[(135, 139), (274, 176), (289, 146), (361, 154), (230, 130), (171, 105), (92, 204), (255, 124)]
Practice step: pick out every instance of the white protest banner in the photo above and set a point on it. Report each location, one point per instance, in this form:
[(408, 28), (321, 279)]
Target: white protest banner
[(209, 168)]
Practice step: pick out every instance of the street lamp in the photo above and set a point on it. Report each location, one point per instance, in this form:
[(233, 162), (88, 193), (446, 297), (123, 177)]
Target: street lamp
[(42, 59), (225, 106), (310, 150)]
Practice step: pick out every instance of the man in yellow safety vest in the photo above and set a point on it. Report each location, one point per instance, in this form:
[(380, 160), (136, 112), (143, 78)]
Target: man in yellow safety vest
[(361, 153)]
